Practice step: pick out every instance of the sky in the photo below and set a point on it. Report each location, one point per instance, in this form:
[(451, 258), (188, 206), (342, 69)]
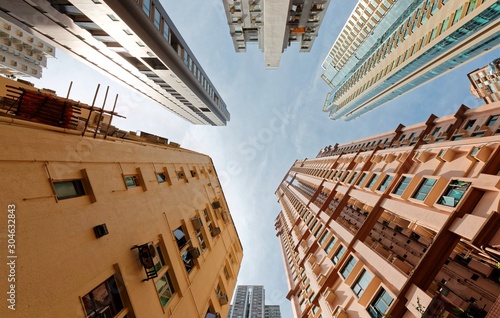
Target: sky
[(276, 118)]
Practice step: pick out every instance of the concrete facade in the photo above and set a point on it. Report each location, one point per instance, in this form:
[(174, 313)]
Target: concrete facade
[(274, 25), (402, 223), (134, 42), (22, 54), (390, 47), (110, 223), (249, 302)]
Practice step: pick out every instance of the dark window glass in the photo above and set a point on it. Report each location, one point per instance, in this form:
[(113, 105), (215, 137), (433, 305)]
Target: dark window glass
[(69, 189), (104, 300)]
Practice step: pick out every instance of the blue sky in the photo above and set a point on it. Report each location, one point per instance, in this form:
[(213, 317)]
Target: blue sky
[(276, 118)]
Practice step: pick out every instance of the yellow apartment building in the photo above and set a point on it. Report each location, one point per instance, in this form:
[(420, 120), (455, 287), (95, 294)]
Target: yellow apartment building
[(99, 222), (400, 224)]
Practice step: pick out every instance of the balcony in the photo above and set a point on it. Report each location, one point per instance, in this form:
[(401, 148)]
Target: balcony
[(398, 244)]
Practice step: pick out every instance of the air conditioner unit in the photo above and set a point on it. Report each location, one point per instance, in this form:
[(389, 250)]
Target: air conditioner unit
[(194, 252), (216, 205), (197, 223), (100, 230), (215, 231), (222, 299)]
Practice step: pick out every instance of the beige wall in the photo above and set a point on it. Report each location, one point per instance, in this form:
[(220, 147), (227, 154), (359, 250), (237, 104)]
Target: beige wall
[(59, 259)]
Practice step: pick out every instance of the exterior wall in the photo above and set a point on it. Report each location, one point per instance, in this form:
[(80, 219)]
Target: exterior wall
[(408, 217), (133, 41), (425, 40), (56, 248), (274, 25)]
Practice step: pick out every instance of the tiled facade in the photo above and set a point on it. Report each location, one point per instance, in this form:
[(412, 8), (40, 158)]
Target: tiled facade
[(107, 222), (389, 47), (132, 41), (397, 224), (274, 25)]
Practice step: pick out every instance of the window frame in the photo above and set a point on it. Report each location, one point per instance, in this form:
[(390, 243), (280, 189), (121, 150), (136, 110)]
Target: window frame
[(424, 188), (111, 286), (362, 283), (403, 181), (168, 286), (78, 186), (377, 313), (337, 256), (348, 267)]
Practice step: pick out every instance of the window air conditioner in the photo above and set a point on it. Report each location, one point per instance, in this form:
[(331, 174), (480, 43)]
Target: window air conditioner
[(194, 252), (215, 231), (197, 223)]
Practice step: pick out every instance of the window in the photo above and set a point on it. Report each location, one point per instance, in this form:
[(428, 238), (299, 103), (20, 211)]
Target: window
[(187, 258), (166, 31), (158, 260), (157, 18), (131, 181), (385, 183), (348, 267), (424, 189), (180, 237), (492, 120), (329, 247), (380, 304), (372, 181), (470, 124), (104, 300), (165, 289), (353, 177), (338, 255), (201, 240), (362, 283), (113, 17), (360, 181), (402, 185), (454, 193), (161, 177), (323, 238), (146, 6), (68, 189)]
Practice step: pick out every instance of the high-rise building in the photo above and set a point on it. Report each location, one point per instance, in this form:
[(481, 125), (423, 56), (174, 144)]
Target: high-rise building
[(22, 54), (389, 47), (485, 82), (104, 222), (272, 311), (249, 302), (398, 224), (274, 25), (134, 42)]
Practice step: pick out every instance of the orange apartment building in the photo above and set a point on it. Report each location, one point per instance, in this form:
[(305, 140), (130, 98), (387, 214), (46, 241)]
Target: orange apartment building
[(99, 222), (400, 224)]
